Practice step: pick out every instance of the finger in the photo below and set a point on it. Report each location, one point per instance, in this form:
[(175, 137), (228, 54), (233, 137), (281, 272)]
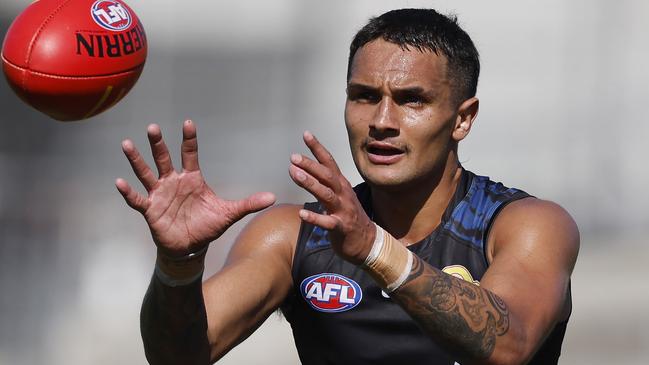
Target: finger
[(132, 197), (139, 166), (159, 149), (189, 147), (253, 203), (322, 173), (319, 151), (324, 194), (327, 222)]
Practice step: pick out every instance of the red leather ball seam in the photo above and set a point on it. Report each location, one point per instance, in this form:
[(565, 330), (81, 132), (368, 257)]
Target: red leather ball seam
[(64, 77), (38, 33)]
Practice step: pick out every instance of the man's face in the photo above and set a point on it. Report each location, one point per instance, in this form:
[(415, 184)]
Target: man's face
[(399, 114)]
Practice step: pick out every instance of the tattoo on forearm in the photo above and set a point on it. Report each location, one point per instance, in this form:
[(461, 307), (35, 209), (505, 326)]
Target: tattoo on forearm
[(460, 315), (173, 323)]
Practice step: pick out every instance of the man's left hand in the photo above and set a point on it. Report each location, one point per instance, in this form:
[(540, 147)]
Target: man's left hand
[(351, 231)]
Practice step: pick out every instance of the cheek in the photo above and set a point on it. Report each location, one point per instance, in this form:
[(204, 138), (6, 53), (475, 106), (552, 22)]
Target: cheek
[(356, 127), (424, 126), (429, 133)]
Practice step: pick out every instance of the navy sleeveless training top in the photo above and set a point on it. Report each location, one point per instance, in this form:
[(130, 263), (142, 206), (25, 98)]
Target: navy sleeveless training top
[(339, 315)]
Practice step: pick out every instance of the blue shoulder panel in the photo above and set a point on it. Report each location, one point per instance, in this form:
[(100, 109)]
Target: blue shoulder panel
[(471, 217), (317, 238)]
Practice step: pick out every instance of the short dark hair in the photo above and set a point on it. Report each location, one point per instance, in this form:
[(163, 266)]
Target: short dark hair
[(426, 29)]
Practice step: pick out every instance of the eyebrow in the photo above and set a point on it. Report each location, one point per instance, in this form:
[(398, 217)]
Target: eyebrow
[(413, 90), (355, 87)]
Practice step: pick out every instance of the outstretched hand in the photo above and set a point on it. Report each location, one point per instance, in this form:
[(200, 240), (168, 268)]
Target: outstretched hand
[(351, 231), (182, 211)]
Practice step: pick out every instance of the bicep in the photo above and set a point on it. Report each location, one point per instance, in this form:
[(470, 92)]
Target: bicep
[(535, 245), (254, 281)]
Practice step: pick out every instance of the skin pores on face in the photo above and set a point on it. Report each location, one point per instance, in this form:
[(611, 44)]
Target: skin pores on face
[(399, 115)]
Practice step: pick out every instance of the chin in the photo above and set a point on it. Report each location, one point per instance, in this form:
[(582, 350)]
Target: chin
[(385, 180), (395, 179)]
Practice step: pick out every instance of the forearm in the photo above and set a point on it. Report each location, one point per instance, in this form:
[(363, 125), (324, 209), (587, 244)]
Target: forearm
[(470, 322), (464, 318), (173, 322)]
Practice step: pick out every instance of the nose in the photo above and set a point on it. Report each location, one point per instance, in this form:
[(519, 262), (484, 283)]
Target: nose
[(385, 118)]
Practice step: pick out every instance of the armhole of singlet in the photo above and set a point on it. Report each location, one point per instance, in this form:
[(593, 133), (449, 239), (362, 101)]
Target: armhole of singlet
[(305, 228), (485, 239), (302, 238)]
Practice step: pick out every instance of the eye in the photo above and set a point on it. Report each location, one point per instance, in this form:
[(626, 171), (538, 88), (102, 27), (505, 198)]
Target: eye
[(370, 97), (411, 99), (363, 95)]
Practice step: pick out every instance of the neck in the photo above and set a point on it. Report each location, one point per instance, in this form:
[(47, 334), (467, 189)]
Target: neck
[(412, 213)]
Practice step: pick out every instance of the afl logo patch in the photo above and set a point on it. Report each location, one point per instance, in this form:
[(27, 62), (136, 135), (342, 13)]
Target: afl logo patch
[(331, 293), (111, 15)]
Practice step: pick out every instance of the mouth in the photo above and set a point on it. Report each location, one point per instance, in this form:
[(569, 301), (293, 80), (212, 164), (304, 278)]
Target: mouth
[(383, 153)]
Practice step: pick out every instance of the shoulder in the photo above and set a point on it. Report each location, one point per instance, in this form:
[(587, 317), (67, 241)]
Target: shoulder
[(277, 219), (532, 250), (274, 230), (533, 224)]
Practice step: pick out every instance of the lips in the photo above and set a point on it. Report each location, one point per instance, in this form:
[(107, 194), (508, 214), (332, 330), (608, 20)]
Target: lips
[(383, 153)]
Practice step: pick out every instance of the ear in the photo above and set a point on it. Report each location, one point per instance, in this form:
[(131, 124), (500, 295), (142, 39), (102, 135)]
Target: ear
[(466, 114)]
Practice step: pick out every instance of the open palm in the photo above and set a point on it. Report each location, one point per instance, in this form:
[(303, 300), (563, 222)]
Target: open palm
[(182, 211)]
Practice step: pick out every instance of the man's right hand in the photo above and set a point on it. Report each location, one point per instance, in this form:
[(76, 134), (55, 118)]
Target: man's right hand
[(182, 211)]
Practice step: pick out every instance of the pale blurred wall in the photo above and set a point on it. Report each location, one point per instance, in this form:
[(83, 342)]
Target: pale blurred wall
[(563, 92)]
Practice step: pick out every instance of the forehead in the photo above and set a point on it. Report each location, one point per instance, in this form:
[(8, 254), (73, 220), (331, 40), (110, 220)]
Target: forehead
[(380, 62)]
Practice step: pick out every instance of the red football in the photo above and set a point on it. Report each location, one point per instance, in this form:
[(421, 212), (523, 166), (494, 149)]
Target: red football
[(72, 59)]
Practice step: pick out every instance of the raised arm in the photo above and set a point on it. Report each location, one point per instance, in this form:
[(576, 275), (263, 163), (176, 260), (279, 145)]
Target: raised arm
[(194, 324), (183, 321), (255, 280), (522, 295), (532, 248)]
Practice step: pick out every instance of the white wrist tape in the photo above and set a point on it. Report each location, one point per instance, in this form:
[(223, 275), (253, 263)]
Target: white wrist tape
[(177, 271), (389, 262), (404, 274), (376, 246)]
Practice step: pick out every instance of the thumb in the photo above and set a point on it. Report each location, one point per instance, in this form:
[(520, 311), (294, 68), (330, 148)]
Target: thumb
[(251, 204)]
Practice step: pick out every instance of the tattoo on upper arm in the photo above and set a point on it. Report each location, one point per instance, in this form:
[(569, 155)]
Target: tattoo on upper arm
[(461, 315)]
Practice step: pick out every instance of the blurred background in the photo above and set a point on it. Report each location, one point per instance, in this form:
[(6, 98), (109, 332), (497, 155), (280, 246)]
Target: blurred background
[(563, 100)]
